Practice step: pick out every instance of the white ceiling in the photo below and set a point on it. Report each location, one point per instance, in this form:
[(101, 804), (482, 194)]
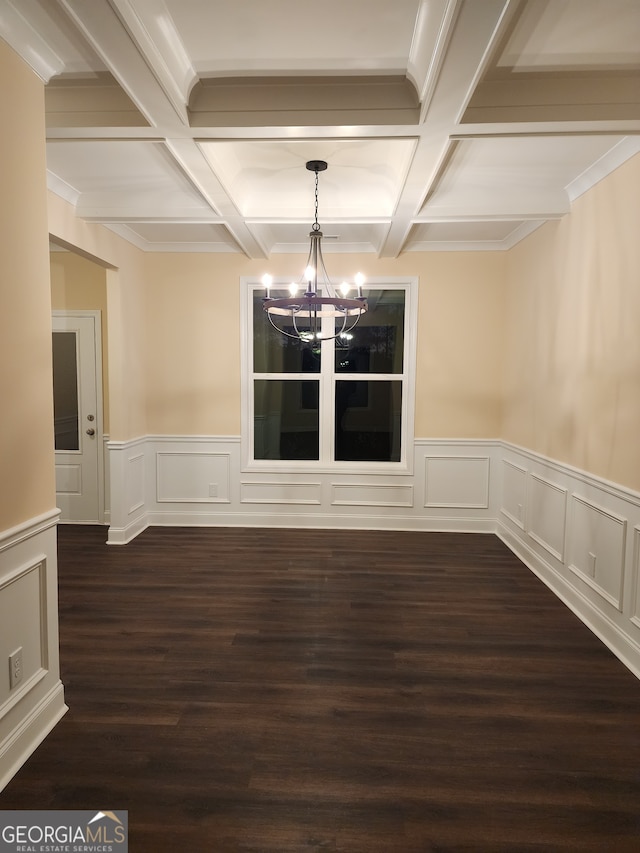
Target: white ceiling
[(185, 125)]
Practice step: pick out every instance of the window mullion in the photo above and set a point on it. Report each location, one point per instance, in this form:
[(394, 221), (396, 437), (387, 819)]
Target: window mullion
[(327, 416)]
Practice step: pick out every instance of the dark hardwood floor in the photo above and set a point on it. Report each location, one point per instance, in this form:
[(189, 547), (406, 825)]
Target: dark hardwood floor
[(291, 690)]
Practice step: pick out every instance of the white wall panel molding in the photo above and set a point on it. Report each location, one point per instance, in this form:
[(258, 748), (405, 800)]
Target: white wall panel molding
[(23, 595), (457, 481), (624, 644), (128, 507), (198, 480), (372, 494), (514, 491), (107, 479), (530, 460), (135, 482), (584, 553), (635, 584), (546, 514), (598, 549), (192, 476), (29, 621), (280, 492)]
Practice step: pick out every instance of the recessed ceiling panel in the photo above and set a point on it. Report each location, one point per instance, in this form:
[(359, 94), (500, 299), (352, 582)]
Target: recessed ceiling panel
[(130, 178), (513, 176), (286, 36), (338, 237), (466, 232), (179, 237), (566, 34), (77, 55), (269, 180)]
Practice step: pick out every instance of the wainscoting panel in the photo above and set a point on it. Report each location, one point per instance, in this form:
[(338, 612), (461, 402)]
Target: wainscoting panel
[(575, 539), (29, 621), (457, 482), (192, 477), (598, 549), (199, 480), (128, 500), (546, 517), (23, 616), (514, 492), (371, 494), (135, 482), (281, 492), (635, 585)]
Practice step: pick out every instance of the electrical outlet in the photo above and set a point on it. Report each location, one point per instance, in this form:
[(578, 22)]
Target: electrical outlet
[(15, 668), (213, 490)]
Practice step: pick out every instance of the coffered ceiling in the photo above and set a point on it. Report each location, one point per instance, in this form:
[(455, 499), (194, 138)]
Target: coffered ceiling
[(185, 125)]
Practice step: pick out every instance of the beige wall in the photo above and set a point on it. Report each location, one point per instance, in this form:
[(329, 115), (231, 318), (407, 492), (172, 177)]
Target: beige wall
[(192, 322), (26, 390), (537, 345), (79, 284), (573, 334)]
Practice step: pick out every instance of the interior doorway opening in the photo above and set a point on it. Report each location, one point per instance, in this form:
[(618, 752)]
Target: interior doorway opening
[(80, 363)]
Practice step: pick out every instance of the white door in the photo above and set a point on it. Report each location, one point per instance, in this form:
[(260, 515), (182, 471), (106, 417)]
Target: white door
[(77, 395)]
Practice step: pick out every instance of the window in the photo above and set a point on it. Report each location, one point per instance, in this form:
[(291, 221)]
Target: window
[(340, 403)]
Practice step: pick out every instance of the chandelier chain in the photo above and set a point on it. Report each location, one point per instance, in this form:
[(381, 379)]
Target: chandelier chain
[(316, 224)]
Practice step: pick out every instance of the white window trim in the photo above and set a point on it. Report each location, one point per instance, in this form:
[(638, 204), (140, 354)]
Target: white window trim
[(307, 466)]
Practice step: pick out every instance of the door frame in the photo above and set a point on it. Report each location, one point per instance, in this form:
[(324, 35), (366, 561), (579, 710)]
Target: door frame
[(96, 316)]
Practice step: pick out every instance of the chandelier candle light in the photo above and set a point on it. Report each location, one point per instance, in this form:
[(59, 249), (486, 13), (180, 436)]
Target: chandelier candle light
[(304, 312)]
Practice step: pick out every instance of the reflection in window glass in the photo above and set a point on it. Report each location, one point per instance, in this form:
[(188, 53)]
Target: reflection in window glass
[(275, 353), (376, 344), (65, 391), (286, 419), (368, 420)]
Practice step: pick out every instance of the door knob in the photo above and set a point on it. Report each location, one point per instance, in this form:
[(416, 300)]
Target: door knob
[(91, 431)]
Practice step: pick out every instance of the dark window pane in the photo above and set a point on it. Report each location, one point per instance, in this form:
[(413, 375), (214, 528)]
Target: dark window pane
[(286, 419), (274, 352), (376, 344), (368, 421), (65, 391)]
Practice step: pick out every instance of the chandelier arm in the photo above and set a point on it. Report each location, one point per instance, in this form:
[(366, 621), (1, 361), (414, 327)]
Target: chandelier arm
[(337, 334), (282, 331), (355, 322), (295, 326), (347, 329), (330, 287)]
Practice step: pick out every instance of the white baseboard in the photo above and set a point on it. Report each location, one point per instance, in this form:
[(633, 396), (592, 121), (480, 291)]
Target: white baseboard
[(317, 521), (123, 535), (620, 643), (33, 729)]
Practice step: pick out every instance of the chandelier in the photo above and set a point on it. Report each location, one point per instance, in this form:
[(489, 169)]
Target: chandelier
[(314, 298)]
